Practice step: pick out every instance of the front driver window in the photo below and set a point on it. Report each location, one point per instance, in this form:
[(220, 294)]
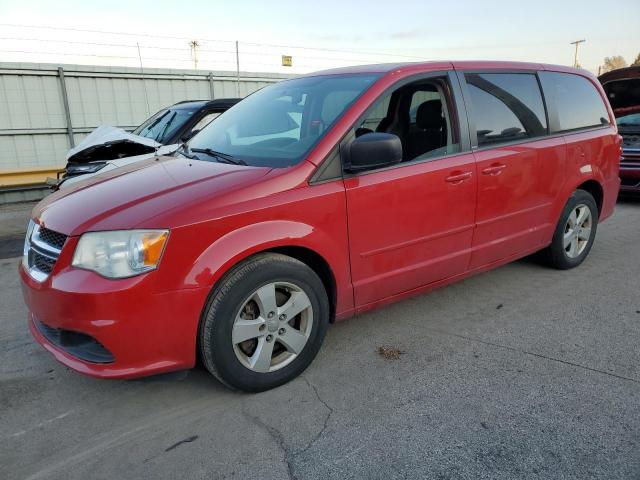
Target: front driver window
[(420, 115)]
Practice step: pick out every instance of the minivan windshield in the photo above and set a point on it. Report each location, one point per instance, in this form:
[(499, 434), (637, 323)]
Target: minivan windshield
[(278, 125)]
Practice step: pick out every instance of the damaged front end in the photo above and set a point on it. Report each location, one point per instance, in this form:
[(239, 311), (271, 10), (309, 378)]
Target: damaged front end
[(101, 146), (110, 143)]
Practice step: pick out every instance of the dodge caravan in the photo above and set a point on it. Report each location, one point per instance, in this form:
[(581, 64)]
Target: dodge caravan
[(310, 201)]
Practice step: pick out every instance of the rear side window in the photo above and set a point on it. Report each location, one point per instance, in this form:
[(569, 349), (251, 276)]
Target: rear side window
[(506, 106), (577, 102)]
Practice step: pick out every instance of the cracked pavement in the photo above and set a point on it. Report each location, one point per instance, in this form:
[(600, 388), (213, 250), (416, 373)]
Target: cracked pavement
[(522, 372)]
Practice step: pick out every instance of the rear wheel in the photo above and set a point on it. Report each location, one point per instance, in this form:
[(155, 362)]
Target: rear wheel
[(575, 232), (264, 323)]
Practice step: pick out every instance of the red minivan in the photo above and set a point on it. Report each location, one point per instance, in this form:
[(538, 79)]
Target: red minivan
[(310, 201)]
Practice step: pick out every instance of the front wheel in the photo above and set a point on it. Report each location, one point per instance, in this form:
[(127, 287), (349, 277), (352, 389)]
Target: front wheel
[(575, 232), (264, 323)]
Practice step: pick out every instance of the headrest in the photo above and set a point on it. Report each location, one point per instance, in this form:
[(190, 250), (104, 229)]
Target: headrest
[(429, 114)]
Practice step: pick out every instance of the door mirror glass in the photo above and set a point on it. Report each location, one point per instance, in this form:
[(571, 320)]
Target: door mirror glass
[(374, 150), (187, 136)]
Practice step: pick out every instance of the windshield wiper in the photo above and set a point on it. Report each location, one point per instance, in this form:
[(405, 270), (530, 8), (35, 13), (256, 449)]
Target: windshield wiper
[(221, 157), (153, 124), (166, 126)]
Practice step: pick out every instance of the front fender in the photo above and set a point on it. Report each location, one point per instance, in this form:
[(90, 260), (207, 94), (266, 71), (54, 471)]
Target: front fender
[(237, 245), (314, 218)]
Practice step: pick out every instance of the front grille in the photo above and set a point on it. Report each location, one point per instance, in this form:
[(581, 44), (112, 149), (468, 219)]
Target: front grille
[(42, 263), (630, 158), (80, 345), (41, 250), (631, 141), (52, 238)]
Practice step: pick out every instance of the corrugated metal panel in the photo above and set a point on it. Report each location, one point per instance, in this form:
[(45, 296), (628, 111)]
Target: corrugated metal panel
[(25, 151), (30, 102), (33, 129)]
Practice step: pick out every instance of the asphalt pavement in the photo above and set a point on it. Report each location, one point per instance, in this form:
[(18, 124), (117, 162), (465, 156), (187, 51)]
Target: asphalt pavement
[(13, 223), (519, 373)]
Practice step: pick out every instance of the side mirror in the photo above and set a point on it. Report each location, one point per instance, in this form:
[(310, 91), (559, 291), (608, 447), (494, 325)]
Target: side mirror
[(188, 136), (374, 150)]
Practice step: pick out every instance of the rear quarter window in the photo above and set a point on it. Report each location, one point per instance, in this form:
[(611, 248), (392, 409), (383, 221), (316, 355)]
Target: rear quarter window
[(577, 102)]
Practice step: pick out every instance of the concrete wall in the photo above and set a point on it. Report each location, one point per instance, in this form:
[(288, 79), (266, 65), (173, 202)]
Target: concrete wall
[(35, 133)]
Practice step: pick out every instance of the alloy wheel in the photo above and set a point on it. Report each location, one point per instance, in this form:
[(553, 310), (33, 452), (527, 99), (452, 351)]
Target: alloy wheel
[(577, 231), (272, 327)]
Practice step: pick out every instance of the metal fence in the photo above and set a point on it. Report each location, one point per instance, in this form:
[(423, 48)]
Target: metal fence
[(46, 109)]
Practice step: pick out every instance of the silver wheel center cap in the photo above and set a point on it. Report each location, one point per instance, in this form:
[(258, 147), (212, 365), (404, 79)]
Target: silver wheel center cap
[(272, 324)]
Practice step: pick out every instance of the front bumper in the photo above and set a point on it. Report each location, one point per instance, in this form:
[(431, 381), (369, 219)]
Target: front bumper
[(143, 331), (630, 171)]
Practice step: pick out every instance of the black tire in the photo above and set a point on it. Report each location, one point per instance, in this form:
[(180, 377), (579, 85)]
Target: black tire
[(555, 255), (227, 298)]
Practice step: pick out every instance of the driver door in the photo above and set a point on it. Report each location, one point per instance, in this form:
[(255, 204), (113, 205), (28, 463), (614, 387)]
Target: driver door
[(412, 224)]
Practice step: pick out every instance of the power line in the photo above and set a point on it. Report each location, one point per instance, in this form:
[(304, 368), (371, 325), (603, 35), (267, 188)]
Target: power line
[(33, 52), (282, 46), (333, 50), (123, 45), (310, 57), (202, 60), (342, 55), (215, 61), (106, 32), (243, 51), (70, 54), (76, 42), (149, 47)]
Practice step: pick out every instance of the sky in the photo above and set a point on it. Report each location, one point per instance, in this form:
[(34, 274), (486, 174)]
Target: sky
[(320, 34)]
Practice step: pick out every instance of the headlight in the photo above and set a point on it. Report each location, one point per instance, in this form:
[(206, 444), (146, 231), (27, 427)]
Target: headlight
[(79, 169), (25, 248), (120, 254)]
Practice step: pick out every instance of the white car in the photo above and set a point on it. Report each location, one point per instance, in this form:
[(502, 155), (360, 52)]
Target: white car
[(107, 148)]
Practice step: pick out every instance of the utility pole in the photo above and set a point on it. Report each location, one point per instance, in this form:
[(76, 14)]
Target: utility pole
[(575, 56), (237, 71), (144, 83), (194, 44)]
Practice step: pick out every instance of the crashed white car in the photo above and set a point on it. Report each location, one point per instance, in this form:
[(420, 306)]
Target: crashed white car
[(107, 148)]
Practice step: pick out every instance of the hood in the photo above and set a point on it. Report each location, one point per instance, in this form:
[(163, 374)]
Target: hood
[(108, 143), (623, 90), (128, 196)]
